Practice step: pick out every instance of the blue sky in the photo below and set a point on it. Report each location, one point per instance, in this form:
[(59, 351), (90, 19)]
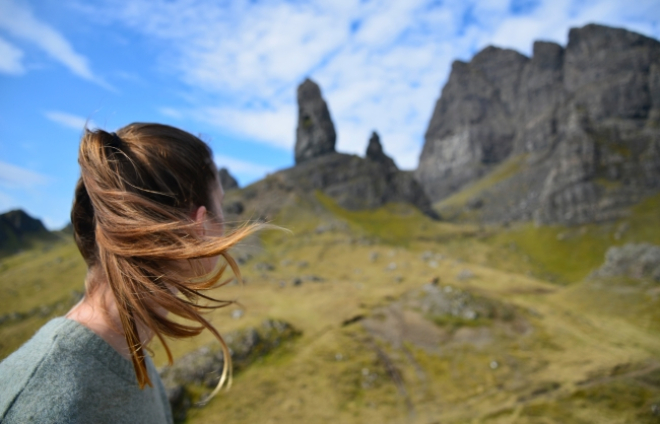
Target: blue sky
[(228, 71)]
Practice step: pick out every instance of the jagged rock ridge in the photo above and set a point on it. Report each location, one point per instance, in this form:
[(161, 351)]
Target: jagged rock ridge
[(355, 183), (581, 123)]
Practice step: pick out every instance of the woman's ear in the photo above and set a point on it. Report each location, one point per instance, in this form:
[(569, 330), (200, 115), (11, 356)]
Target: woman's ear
[(200, 218)]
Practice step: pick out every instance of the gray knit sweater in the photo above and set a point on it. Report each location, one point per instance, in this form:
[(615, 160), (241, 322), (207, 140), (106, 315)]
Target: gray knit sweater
[(68, 374)]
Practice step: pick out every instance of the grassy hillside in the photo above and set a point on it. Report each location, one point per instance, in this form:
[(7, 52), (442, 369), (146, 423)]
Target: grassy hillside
[(555, 347)]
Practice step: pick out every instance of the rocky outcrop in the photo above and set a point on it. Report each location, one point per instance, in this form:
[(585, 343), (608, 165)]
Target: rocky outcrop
[(199, 371), (18, 228), (582, 125), (376, 154), (227, 181), (354, 183), (315, 135), (638, 261)]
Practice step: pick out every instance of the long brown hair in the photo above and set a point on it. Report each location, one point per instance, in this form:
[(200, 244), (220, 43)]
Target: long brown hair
[(132, 218)]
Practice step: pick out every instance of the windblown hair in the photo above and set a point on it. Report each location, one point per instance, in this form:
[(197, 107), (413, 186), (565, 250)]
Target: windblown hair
[(131, 218)]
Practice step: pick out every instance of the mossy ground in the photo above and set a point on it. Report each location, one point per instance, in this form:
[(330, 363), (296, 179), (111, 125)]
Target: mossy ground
[(588, 351)]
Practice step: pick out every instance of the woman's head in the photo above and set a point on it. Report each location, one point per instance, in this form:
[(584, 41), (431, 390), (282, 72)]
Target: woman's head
[(168, 168), (146, 197)]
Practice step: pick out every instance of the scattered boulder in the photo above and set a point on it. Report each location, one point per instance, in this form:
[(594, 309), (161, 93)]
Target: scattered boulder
[(443, 303), (638, 261), (264, 266), (314, 278), (315, 135)]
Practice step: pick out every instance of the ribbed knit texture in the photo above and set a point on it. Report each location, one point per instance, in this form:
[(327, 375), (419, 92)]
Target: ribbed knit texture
[(67, 374)]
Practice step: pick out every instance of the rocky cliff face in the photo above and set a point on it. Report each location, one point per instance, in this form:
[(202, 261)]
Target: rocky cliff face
[(315, 135), (581, 123)]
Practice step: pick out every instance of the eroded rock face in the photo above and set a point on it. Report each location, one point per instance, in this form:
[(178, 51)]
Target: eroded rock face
[(315, 135), (471, 128), (584, 123)]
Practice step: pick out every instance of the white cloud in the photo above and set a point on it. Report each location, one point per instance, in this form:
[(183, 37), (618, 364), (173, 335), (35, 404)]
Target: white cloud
[(247, 170), (552, 20), (17, 19), (275, 127), (15, 177), (69, 120), (380, 64), (11, 58), (170, 112)]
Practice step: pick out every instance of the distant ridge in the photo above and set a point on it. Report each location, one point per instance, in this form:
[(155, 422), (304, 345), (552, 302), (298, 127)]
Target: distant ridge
[(18, 229)]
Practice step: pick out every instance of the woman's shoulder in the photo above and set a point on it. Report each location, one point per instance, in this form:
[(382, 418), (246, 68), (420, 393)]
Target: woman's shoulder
[(53, 370), (22, 366), (67, 372)]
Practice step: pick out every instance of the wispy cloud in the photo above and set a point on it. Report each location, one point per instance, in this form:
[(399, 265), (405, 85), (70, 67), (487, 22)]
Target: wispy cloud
[(17, 19), (15, 177), (171, 112), (275, 126), (11, 58), (69, 120), (380, 64), (247, 170)]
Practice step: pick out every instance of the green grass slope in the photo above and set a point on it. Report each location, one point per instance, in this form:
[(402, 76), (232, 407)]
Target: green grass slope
[(570, 349)]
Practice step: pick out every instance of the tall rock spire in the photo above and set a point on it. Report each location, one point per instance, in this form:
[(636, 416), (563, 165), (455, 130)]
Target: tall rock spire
[(315, 135), (376, 154)]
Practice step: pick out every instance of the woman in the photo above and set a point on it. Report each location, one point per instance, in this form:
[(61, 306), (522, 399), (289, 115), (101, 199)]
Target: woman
[(147, 219)]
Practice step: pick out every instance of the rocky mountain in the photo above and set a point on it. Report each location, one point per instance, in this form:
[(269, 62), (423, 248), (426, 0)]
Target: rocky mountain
[(573, 134), (354, 182), (227, 181), (18, 228)]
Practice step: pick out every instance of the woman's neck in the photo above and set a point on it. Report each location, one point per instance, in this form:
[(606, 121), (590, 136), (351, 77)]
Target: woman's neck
[(98, 312)]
